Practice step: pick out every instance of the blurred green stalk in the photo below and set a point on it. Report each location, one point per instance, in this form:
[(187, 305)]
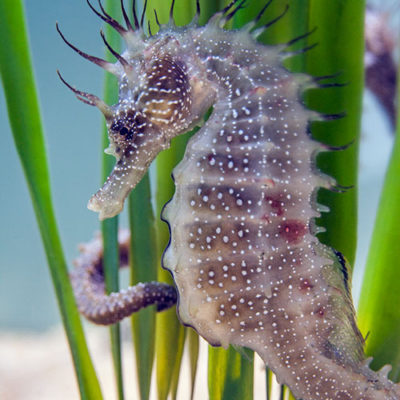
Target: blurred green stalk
[(340, 50), (379, 311), (109, 227), (23, 110), (170, 337), (144, 266)]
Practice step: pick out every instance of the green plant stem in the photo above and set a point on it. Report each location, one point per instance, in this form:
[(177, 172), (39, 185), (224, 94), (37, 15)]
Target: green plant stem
[(230, 374), (379, 312), (109, 227), (183, 12), (144, 265), (24, 114), (268, 383), (169, 331), (217, 372), (193, 345), (340, 50), (177, 368)]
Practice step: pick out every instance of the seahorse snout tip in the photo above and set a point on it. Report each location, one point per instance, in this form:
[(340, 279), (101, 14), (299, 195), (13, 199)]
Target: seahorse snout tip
[(106, 209)]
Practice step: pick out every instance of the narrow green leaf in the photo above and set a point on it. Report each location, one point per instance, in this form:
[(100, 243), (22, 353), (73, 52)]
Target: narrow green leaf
[(168, 331), (244, 376), (268, 381), (109, 230), (285, 393), (340, 50), (109, 227), (183, 12), (23, 110), (193, 346), (379, 312), (292, 21), (144, 265), (217, 372), (208, 8), (168, 328), (177, 367), (230, 374), (291, 397)]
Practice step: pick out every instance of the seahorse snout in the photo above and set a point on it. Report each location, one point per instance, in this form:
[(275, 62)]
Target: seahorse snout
[(132, 164)]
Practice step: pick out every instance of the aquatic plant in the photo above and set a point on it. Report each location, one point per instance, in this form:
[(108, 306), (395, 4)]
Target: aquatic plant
[(340, 233)]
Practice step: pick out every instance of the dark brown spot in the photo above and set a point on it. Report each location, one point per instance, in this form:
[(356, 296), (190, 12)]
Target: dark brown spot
[(266, 218), (292, 231), (117, 125), (305, 284), (139, 121), (320, 311), (276, 203)]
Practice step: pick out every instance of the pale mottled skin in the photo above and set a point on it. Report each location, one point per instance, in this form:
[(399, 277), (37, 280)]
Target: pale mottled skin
[(248, 267)]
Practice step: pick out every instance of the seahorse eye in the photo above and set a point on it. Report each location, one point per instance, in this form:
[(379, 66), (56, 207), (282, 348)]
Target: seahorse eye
[(127, 126), (124, 131)]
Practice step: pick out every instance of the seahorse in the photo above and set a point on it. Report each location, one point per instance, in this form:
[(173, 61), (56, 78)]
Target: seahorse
[(247, 265)]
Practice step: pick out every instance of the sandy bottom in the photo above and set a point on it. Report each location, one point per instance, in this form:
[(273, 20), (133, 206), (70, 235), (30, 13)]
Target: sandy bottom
[(38, 367)]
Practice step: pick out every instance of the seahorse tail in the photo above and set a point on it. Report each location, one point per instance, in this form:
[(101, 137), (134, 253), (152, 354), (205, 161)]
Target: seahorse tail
[(87, 280)]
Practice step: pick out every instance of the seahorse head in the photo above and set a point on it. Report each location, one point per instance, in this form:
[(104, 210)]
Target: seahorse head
[(162, 93), (158, 99)]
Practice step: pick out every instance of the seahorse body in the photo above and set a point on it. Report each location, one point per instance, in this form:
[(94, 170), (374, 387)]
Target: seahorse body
[(248, 267), (246, 262)]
